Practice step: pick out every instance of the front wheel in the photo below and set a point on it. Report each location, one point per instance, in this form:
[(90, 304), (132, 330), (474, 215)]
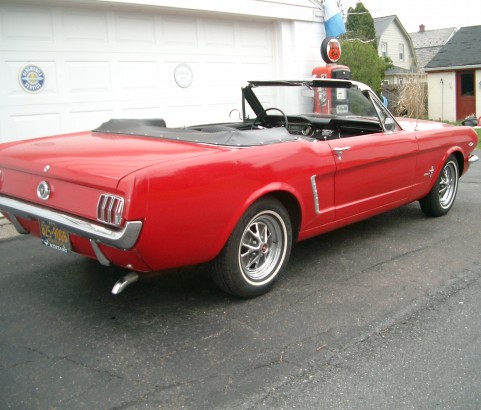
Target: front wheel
[(441, 197), (257, 250)]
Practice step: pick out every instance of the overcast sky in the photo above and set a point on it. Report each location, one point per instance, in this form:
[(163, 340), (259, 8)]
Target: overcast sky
[(433, 14)]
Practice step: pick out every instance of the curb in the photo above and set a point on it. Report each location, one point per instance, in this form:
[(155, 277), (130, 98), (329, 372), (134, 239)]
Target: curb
[(7, 230)]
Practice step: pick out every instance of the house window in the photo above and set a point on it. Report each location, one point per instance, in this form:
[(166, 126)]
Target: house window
[(401, 52), (383, 49)]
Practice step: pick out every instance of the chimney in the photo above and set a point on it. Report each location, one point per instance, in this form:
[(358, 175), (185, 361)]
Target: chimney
[(422, 28)]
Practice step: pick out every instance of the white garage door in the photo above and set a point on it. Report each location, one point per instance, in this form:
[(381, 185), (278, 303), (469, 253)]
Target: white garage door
[(89, 65)]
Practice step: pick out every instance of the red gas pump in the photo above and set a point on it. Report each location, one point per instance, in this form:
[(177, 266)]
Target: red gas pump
[(325, 102)]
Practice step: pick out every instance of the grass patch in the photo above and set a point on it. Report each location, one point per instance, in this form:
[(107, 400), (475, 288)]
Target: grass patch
[(478, 131)]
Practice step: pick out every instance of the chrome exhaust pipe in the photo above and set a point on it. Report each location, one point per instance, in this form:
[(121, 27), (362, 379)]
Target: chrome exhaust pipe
[(125, 281)]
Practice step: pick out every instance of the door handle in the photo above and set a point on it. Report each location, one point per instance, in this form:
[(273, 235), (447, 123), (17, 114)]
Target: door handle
[(339, 151)]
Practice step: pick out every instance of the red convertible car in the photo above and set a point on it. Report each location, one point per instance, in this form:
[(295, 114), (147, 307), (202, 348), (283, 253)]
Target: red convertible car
[(304, 158)]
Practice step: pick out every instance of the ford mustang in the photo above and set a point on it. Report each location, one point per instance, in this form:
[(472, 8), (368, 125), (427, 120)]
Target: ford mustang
[(304, 157)]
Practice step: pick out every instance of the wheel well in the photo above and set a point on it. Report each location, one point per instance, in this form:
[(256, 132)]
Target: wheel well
[(460, 160), (293, 208)]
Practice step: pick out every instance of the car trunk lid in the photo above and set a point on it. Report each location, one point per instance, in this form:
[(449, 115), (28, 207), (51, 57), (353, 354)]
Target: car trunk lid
[(94, 159)]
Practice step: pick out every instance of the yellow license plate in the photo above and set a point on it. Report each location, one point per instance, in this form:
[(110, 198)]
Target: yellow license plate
[(54, 237)]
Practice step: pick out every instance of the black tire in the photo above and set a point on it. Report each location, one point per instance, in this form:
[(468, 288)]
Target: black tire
[(257, 251), (441, 197)]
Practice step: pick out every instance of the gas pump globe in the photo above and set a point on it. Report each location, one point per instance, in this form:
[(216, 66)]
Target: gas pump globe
[(327, 101)]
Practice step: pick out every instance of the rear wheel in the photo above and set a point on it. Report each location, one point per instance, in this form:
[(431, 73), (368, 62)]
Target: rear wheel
[(441, 197), (257, 250)]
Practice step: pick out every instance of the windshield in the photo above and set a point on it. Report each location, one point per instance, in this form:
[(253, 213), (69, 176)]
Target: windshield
[(308, 100)]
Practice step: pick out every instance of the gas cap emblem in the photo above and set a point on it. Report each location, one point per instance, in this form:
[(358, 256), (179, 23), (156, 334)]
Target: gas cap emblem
[(43, 190)]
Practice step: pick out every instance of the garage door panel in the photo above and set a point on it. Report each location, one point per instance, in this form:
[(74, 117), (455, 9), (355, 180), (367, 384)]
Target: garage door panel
[(83, 28), (179, 32), (141, 112), (23, 24), (34, 125), (138, 76), (218, 73), (89, 119), (256, 38), (221, 95), (134, 30), (220, 35), (260, 70), (88, 77), (14, 93), (179, 116)]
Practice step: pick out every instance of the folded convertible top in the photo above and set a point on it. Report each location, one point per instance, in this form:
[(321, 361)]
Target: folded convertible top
[(215, 135)]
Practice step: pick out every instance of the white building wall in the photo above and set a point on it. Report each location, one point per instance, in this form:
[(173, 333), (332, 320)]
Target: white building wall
[(102, 62), (442, 96), (393, 36), (477, 88)]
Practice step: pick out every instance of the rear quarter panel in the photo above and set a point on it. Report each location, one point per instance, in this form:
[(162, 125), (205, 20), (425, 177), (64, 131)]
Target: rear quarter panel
[(194, 205)]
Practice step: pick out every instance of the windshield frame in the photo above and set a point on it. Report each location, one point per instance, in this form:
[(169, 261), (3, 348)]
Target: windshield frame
[(382, 115)]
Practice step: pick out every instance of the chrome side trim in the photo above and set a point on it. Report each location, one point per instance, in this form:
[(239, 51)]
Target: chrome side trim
[(473, 158), (315, 195), (124, 238)]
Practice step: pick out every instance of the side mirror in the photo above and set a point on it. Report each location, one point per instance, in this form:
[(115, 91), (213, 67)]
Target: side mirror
[(235, 113), (389, 124)]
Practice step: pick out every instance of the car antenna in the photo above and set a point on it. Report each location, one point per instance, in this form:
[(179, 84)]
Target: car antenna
[(417, 105)]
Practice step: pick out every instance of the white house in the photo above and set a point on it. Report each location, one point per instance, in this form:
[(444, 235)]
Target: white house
[(394, 42), (70, 65)]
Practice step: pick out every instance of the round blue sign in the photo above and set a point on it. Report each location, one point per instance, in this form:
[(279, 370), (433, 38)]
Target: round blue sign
[(32, 78)]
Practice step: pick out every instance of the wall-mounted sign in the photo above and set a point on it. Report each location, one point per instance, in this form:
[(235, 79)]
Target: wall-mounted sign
[(32, 78), (183, 75)]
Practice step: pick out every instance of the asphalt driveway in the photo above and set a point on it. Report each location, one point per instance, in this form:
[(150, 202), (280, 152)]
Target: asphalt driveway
[(177, 342)]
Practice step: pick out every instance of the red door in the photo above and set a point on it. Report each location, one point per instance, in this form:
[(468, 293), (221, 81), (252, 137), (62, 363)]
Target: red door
[(373, 171), (465, 95)]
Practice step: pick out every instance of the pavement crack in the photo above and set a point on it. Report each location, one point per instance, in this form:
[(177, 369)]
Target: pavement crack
[(56, 358), (334, 359), (395, 258)]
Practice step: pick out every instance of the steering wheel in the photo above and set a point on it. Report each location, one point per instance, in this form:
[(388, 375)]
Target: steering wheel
[(285, 124)]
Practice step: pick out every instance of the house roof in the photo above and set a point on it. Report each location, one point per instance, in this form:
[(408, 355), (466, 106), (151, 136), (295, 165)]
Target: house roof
[(432, 38), (398, 71), (462, 50), (382, 23), (428, 43)]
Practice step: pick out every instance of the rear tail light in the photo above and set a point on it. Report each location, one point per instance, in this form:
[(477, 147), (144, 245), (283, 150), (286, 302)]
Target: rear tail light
[(110, 209)]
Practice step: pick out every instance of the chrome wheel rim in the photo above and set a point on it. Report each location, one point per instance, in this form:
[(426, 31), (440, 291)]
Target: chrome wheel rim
[(262, 248), (448, 184)]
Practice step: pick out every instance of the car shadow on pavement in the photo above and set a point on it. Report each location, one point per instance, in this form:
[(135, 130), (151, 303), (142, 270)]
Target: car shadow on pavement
[(75, 283)]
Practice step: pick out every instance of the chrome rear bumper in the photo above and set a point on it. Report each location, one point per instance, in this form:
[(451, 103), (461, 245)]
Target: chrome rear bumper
[(124, 238), (473, 158)]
